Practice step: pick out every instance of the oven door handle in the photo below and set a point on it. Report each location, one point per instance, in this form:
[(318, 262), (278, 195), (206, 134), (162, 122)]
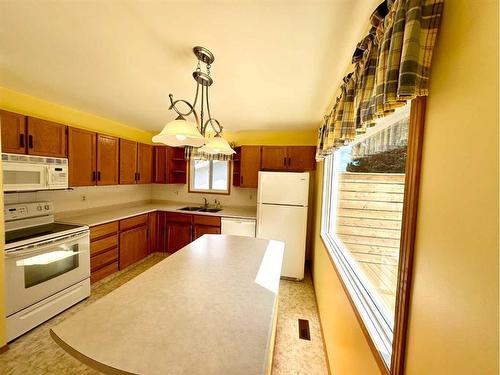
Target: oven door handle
[(28, 250), (47, 176)]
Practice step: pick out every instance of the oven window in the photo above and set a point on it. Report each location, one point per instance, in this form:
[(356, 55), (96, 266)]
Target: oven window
[(46, 266), (21, 177)]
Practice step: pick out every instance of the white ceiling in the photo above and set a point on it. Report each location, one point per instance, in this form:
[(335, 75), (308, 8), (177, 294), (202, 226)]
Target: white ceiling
[(277, 63)]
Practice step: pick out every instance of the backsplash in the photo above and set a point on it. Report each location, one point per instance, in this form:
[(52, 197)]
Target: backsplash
[(86, 197), (238, 196)]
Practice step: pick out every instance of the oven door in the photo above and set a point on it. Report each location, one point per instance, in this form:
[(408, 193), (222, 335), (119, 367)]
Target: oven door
[(38, 271), (24, 176)]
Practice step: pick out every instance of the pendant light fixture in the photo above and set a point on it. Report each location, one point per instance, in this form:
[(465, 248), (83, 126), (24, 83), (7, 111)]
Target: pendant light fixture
[(181, 132)]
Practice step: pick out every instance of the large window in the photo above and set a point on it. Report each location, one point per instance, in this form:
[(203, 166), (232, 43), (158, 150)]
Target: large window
[(363, 197), (209, 176)]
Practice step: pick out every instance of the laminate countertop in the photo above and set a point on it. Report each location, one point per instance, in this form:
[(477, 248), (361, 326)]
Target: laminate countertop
[(210, 308), (107, 214)]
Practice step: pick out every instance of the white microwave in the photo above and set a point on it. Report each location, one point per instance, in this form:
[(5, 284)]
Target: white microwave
[(30, 173)]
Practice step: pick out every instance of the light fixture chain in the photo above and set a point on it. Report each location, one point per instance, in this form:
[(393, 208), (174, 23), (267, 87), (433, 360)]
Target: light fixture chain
[(180, 132)]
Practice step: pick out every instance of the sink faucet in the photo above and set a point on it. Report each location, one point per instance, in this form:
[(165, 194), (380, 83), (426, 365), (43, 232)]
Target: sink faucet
[(205, 204), (217, 204)]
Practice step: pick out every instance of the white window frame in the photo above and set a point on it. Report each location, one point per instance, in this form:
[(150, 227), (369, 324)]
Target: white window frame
[(361, 293), (365, 298), (192, 189)]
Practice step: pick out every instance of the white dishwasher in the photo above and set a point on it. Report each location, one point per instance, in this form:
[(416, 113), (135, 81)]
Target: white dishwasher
[(238, 227)]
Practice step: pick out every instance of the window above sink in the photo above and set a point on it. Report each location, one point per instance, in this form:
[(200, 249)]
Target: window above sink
[(209, 176)]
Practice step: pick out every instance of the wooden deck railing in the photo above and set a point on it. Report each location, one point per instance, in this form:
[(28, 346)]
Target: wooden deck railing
[(369, 215)]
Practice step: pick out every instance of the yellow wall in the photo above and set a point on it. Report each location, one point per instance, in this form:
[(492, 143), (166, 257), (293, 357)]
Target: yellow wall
[(22, 103), (454, 310), (28, 105), (292, 138), (347, 350), (453, 327), (2, 267)]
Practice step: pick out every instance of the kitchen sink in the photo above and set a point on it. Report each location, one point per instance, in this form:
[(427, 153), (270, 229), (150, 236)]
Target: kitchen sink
[(210, 209), (198, 208)]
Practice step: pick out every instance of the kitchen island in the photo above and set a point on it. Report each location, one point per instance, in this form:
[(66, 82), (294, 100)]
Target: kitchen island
[(210, 308)]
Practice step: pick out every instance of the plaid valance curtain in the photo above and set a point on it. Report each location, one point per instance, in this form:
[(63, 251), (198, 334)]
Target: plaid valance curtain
[(194, 153), (391, 66)]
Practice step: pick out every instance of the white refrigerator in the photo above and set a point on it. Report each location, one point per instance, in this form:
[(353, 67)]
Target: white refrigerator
[(282, 200)]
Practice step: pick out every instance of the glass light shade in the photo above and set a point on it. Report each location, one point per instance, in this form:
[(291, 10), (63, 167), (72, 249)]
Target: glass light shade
[(217, 145), (180, 132)]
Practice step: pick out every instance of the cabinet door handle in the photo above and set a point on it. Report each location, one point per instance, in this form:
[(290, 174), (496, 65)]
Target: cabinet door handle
[(99, 176), (138, 176), (241, 180), (289, 162), (284, 161), (21, 140), (93, 176), (30, 141)]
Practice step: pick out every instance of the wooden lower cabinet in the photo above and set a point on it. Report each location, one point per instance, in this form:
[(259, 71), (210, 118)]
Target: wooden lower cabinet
[(200, 230), (104, 251), (153, 232), (182, 229), (161, 231), (178, 235), (103, 272), (133, 245), (119, 244), (103, 259)]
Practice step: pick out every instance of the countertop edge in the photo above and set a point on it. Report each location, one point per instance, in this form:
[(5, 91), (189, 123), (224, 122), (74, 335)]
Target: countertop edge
[(96, 365), (157, 207)]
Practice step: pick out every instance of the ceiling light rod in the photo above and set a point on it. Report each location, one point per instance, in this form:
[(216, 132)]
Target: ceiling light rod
[(205, 81), (181, 132)]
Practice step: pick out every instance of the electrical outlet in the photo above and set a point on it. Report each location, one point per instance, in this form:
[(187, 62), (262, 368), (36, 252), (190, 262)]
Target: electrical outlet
[(83, 197)]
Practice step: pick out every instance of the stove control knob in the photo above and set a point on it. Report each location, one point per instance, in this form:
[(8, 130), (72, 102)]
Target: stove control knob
[(39, 208), (47, 207)]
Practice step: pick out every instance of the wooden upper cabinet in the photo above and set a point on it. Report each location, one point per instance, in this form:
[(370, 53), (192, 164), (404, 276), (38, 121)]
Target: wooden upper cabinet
[(274, 157), (81, 157), (144, 163), (249, 166), (160, 164), (107, 160), (46, 138), (13, 127), (288, 158), (302, 158), (176, 171), (128, 162)]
